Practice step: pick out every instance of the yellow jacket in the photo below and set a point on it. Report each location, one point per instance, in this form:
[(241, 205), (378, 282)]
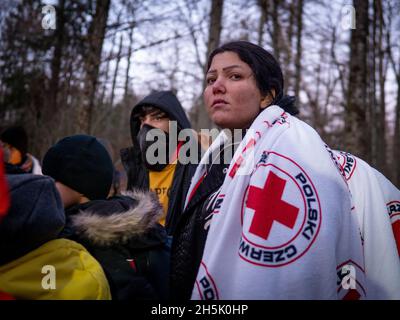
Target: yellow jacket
[(58, 270)]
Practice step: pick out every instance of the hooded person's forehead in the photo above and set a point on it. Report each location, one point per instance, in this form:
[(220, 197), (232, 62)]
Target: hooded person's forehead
[(149, 110)]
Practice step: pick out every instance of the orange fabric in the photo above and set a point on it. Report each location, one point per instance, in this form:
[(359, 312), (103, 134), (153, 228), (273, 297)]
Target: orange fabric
[(15, 156)]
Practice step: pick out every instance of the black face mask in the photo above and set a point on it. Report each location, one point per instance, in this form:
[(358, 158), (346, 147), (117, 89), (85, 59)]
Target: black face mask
[(157, 136)]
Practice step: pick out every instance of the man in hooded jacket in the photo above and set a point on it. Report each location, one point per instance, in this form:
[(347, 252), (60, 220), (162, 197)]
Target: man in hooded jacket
[(171, 179)]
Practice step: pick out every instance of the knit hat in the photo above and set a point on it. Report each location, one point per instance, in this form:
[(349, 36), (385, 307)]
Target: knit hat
[(16, 137), (36, 215), (81, 163)]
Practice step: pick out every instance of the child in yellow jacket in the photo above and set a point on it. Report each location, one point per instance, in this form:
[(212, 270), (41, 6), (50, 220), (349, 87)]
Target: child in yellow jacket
[(34, 264)]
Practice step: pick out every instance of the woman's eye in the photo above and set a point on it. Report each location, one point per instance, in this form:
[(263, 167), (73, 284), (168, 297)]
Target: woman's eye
[(210, 81), (236, 76)]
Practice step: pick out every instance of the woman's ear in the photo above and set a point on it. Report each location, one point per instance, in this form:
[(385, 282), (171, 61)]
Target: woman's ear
[(267, 100)]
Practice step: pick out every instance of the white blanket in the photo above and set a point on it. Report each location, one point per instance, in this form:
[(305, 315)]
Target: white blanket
[(285, 228), (376, 202)]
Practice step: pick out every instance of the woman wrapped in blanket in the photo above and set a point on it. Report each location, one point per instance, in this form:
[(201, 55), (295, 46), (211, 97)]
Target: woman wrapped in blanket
[(276, 222)]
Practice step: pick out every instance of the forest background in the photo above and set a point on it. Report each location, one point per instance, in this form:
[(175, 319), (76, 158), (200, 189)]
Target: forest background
[(341, 59)]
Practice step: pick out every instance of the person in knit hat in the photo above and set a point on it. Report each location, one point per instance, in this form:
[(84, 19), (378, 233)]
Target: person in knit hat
[(121, 232), (82, 168), (29, 241), (17, 159)]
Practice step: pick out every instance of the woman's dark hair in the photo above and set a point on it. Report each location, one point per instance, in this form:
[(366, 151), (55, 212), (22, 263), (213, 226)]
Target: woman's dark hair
[(266, 69)]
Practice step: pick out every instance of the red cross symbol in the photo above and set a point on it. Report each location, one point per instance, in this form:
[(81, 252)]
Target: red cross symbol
[(270, 207)]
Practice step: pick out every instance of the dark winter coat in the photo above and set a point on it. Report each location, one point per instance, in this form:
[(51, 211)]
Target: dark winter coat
[(138, 174), (123, 234), (191, 234), (13, 169)]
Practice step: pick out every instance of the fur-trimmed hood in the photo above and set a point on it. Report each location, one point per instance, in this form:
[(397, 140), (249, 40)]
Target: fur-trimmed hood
[(116, 220)]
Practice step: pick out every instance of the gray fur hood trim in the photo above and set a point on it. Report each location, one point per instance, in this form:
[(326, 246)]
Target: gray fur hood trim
[(119, 227)]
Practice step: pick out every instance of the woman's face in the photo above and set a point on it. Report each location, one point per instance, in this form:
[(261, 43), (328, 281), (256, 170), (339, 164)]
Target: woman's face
[(231, 96)]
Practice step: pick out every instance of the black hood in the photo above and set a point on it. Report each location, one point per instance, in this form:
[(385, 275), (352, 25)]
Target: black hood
[(165, 101)]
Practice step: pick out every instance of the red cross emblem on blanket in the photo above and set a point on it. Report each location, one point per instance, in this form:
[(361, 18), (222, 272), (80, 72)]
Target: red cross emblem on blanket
[(281, 212), (269, 207)]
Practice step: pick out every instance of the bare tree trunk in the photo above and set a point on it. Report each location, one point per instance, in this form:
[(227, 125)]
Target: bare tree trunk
[(381, 120), (276, 30), (92, 64), (110, 57), (201, 119), (396, 137), (356, 128), (56, 62), (49, 112), (395, 153), (263, 4), (215, 25), (372, 102), (376, 88), (129, 63), (116, 71), (292, 16), (298, 48), (288, 60)]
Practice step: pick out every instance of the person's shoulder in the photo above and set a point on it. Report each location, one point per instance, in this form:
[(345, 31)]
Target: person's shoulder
[(81, 274), (71, 271), (58, 250)]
